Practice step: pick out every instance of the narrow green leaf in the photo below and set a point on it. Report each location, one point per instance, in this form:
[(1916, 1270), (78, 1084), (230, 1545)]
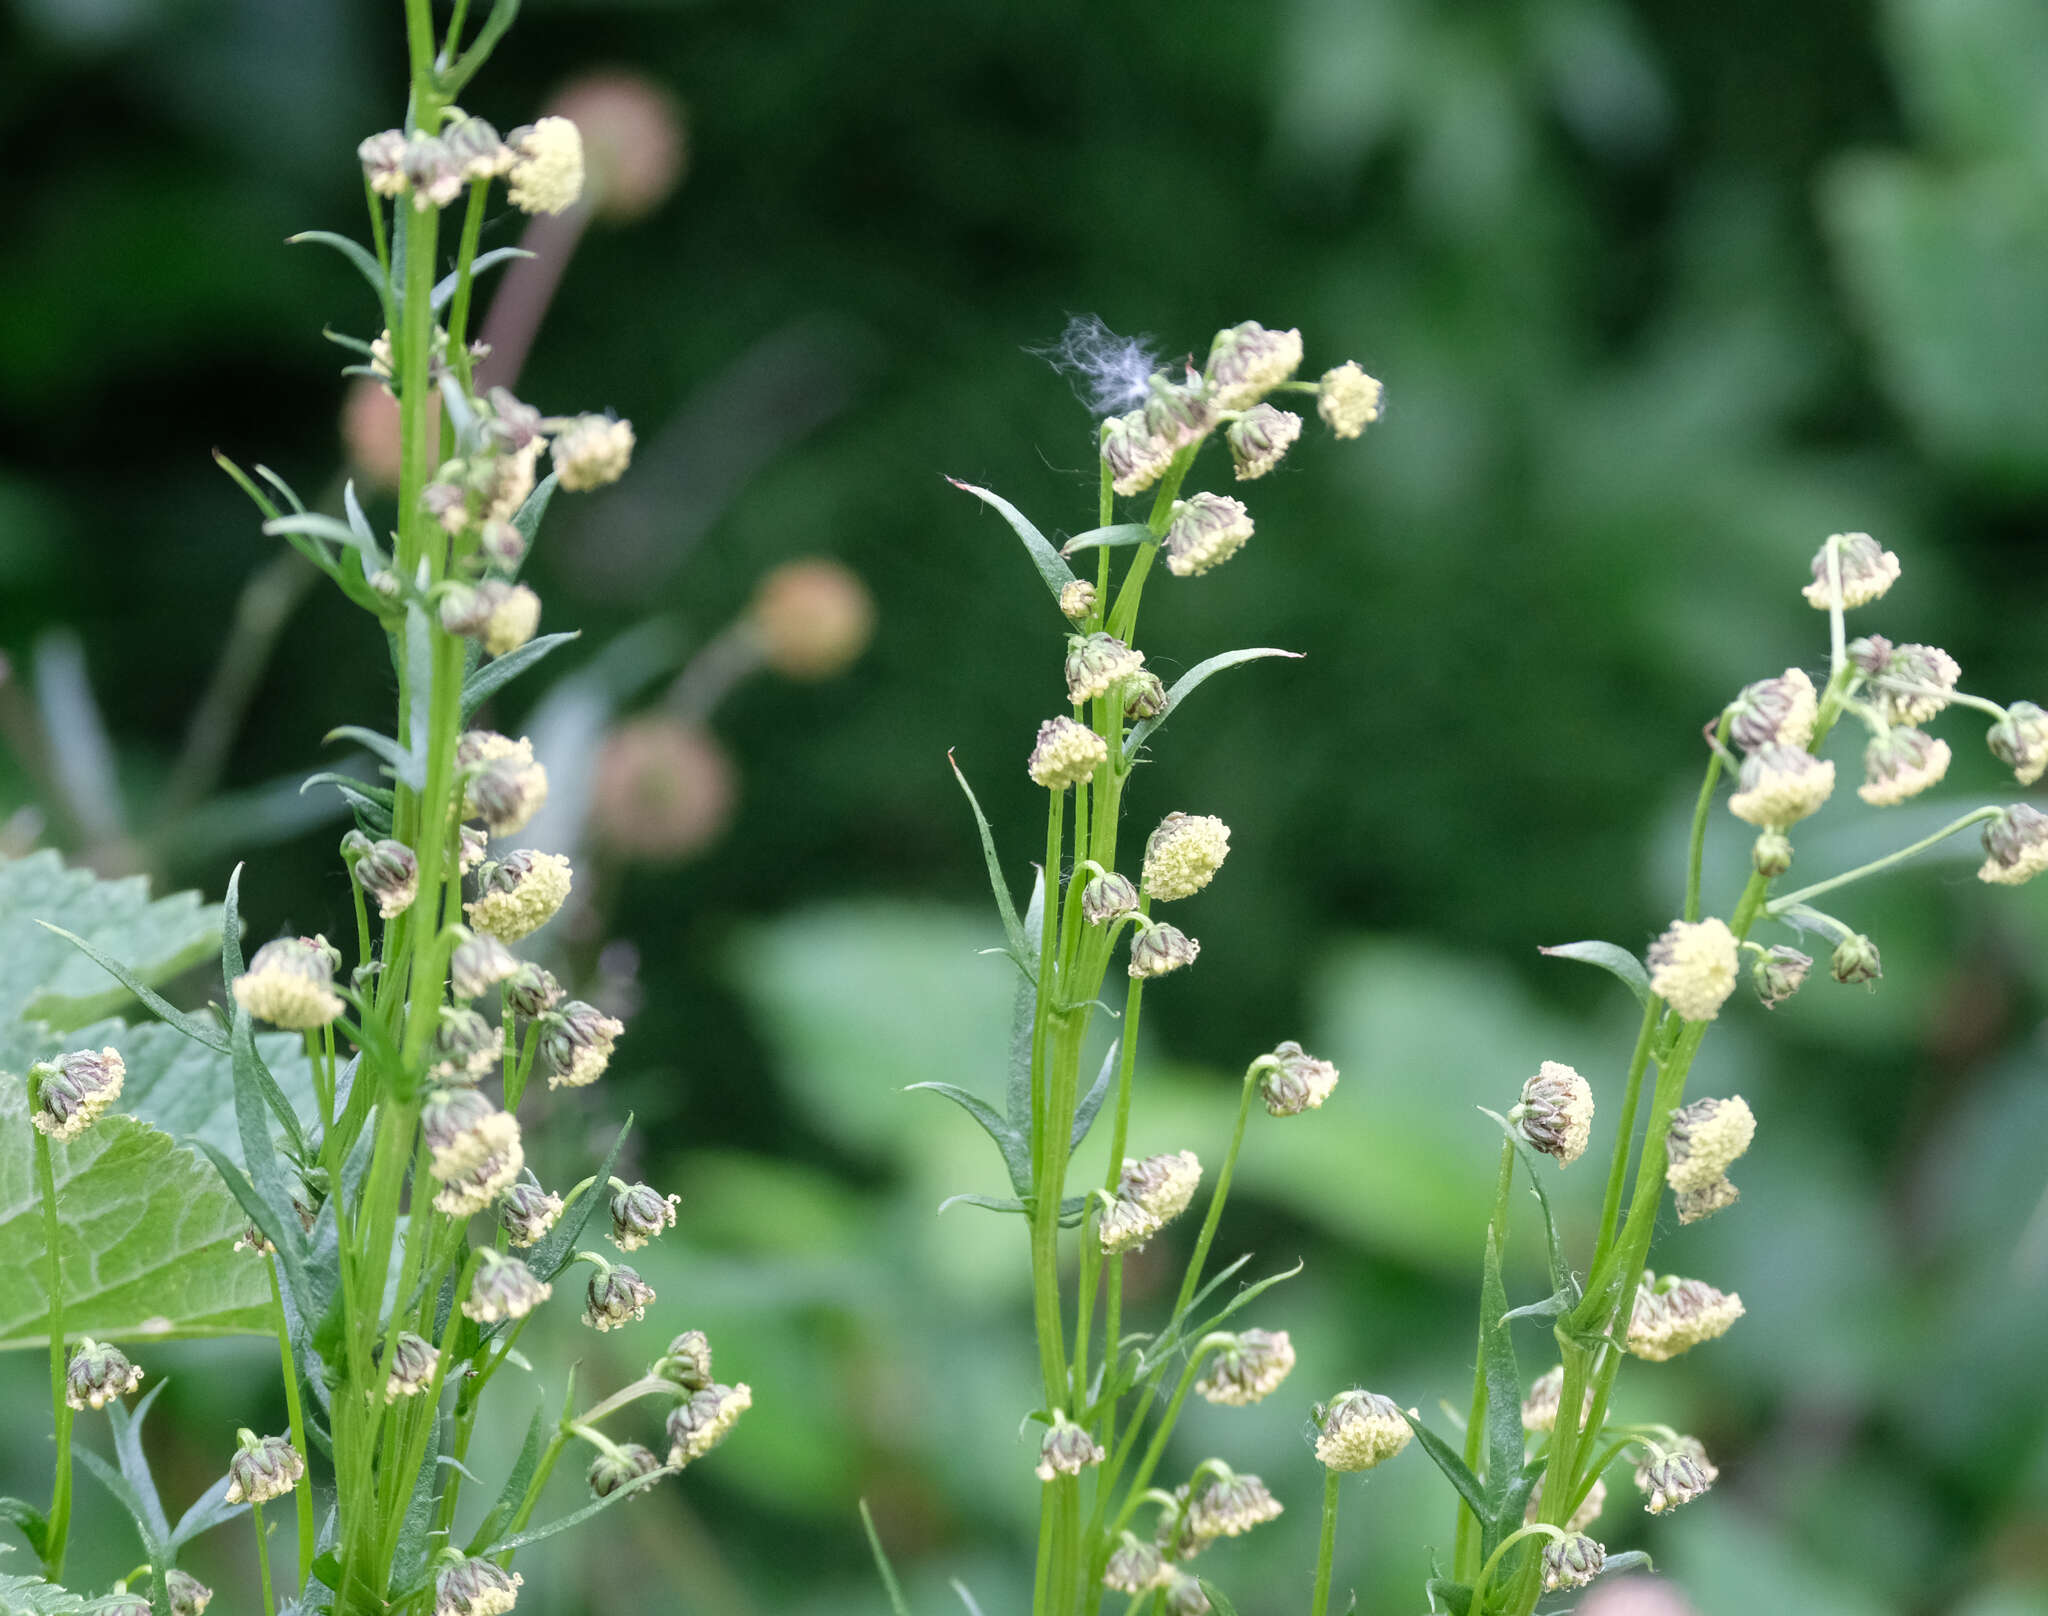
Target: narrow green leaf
[(1560, 1275), (231, 965), (378, 796), (1453, 1467), (548, 1257), (639, 1484), (1015, 1148), (251, 1068), (291, 497), (516, 1481), (26, 1519), (1186, 685), (200, 1029), (1503, 1396), (314, 526), (355, 252), (1628, 1560), (1056, 573), (1102, 538), (124, 1495), (480, 48), (1245, 1298), (212, 1509), (1457, 1596), (126, 1425), (1218, 1600), (408, 767), (1012, 927), (534, 507), (262, 500), (1091, 1102), (1023, 1012), (1608, 957), (1070, 1209), (444, 288), (494, 675), (888, 1572)]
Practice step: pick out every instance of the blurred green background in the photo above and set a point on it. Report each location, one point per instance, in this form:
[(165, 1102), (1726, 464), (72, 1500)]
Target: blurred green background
[(1662, 293)]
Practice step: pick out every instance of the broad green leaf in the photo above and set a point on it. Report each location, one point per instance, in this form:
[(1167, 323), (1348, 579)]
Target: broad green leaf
[(1186, 685), (32, 1596), (1056, 573), (1610, 957)]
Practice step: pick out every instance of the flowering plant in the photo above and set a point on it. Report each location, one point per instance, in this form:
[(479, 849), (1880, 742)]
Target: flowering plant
[(359, 1142)]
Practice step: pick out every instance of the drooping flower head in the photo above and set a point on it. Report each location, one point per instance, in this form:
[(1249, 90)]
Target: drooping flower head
[(1692, 967)]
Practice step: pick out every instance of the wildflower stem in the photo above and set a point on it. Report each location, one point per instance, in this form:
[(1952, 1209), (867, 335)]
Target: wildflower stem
[(302, 1490), (1791, 900), (1506, 1543), (1092, 1260), (1632, 1093), (262, 1556), (1049, 1123), (1326, 1548), (1696, 852), (1193, 1277), (465, 261), (57, 1525), (1134, 1494), (1467, 1547)]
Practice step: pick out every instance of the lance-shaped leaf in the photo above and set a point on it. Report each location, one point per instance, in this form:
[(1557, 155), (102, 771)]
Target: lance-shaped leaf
[(534, 507), (1056, 573), (638, 1484), (1103, 538), (501, 1512), (202, 1030), (444, 288), (499, 672), (1189, 682), (1608, 957), (890, 1585), (1091, 1102), (1070, 1209), (1455, 1470), (1560, 1275), (408, 765), (552, 1253), (1503, 1396), (1015, 1148), (1023, 1013), (1013, 928), (356, 253)]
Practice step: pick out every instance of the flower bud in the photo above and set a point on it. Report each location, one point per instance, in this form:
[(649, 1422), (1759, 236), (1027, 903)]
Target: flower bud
[(467, 1048), (478, 151), (1246, 362), (1546, 1393), (290, 983), (532, 991), (1572, 1562), (478, 965), (1901, 763), (639, 1214), (1357, 1430), (1777, 974), (1296, 1081), (383, 159), (254, 1239), (1692, 967), (69, 1093), (1206, 531), (1678, 1477), (699, 1425), (546, 172), (1673, 1315), (503, 1288), (188, 1595), (527, 1211), (812, 618), (475, 1149), (1230, 1506), (687, 1361), (1912, 683), (432, 172), (507, 483), (1781, 785), (616, 1296), (1067, 1449), (518, 894), (512, 613), (1556, 1113), (1097, 661), (2019, 740), (1159, 948), (1695, 1204), (576, 1041), (1135, 458), (1770, 855), (411, 1370), (476, 1587), (1149, 1195), (2015, 846), (1705, 1138), (461, 609), (98, 1375), (1108, 897), (1066, 754), (1349, 401), (502, 544), (505, 786), (1260, 438), (1184, 1594), (1856, 960), (265, 1468), (388, 872), (1145, 697), (1867, 571), (1249, 1368), (611, 1471), (1176, 413), (1775, 712), (1183, 855), (594, 450), (1077, 601), (1134, 1567), (121, 1603)]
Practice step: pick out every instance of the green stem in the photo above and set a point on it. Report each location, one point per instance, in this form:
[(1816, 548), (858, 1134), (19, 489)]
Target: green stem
[(302, 1493), (1048, 1126), (465, 260), (1632, 1093), (57, 1529), (1506, 1543), (1326, 1547), (262, 1556), (1193, 1278), (1778, 906), (1091, 1251), (1696, 850), (1465, 1553)]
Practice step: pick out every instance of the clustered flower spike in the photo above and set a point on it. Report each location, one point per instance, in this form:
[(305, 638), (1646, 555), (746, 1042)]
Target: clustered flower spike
[(70, 1093), (1349, 401), (475, 1587), (1705, 1138), (518, 894), (1678, 1477), (1673, 1315), (1775, 712), (697, 1426), (1205, 531), (617, 1296), (1249, 1368), (1149, 1195), (98, 1375), (1780, 785), (1097, 661), (2015, 846), (1899, 764), (264, 1468), (1556, 1113), (1867, 570), (1692, 967), (1159, 948), (1295, 1081), (1229, 1506), (1572, 1562), (1911, 683), (1183, 855), (1066, 754), (413, 1360), (639, 1214), (2019, 740), (290, 983), (1358, 1430), (503, 1288), (1067, 1450)]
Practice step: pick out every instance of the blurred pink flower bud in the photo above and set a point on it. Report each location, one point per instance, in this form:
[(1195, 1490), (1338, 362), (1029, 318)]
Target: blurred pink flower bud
[(664, 789)]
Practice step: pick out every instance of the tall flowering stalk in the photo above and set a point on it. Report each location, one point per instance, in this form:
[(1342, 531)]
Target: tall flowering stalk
[(1110, 1398), (395, 1306)]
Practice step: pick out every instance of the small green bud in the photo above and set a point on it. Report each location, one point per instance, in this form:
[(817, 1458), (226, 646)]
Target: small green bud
[(687, 1361), (1108, 897), (69, 1093), (411, 1371), (98, 1375), (611, 1471), (1077, 600), (528, 1212), (189, 1596), (1097, 661), (478, 965), (1771, 854), (1572, 1562), (503, 1288), (639, 1214), (1856, 960), (1260, 438), (1357, 1430), (1145, 697), (1159, 948), (265, 1468), (2019, 740), (1777, 974), (1295, 1081)]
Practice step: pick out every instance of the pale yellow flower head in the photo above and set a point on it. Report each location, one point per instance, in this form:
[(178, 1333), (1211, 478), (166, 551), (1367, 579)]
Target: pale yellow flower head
[(1674, 1315), (1900, 764), (1780, 785), (290, 983), (547, 169), (1867, 570), (1705, 1138), (592, 451), (1692, 967), (1183, 855), (1350, 401), (1066, 754), (1358, 1430), (2015, 846), (1556, 1113), (519, 894)]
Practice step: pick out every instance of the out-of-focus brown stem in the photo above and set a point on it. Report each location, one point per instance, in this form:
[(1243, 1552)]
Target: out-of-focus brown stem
[(524, 293)]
